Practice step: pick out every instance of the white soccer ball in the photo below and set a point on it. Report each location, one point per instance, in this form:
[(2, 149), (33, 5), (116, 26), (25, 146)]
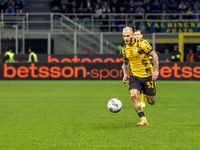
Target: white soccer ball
[(114, 105)]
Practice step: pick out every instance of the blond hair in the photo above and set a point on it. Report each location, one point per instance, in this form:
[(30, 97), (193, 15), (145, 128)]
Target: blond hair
[(127, 29)]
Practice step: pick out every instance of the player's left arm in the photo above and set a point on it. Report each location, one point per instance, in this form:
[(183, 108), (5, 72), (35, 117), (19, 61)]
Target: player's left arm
[(155, 64), (148, 50)]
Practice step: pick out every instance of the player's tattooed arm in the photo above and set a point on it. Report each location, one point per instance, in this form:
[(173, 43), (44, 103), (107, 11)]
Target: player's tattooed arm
[(155, 64), (125, 68), (155, 60)]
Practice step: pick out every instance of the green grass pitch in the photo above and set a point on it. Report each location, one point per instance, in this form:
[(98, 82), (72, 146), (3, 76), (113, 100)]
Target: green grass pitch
[(65, 115)]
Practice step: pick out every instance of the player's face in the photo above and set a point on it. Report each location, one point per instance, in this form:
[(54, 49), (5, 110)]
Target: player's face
[(138, 35), (128, 37)]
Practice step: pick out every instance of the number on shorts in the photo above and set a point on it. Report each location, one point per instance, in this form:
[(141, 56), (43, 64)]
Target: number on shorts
[(150, 84)]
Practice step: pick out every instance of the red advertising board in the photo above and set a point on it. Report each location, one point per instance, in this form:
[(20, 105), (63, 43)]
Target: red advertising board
[(91, 71)]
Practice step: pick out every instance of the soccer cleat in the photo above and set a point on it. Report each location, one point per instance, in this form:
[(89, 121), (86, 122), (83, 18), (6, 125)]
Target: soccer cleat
[(143, 123), (143, 104)]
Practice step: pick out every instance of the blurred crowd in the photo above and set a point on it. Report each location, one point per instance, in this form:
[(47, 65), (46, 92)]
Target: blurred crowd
[(11, 6), (191, 54), (125, 6)]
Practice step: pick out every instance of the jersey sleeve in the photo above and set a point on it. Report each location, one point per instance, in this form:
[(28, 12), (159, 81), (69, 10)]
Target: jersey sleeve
[(124, 55), (146, 47)]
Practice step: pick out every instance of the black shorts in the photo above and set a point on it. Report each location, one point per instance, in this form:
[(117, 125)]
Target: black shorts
[(143, 84)]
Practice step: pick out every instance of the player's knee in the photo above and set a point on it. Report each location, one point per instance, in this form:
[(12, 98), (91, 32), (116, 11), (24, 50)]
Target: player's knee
[(151, 100), (134, 97)]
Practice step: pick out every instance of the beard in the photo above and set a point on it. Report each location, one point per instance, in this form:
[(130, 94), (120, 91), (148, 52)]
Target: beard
[(129, 42)]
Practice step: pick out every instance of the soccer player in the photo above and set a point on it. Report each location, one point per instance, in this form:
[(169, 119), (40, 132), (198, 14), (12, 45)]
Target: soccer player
[(138, 35), (142, 74)]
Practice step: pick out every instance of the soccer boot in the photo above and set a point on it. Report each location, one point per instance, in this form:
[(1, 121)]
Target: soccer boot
[(143, 123)]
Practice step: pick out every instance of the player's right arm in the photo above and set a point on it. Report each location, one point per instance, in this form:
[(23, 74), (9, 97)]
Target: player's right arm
[(125, 66)]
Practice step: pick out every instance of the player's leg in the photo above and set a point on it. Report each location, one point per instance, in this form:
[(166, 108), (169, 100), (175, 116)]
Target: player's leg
[(134, 89), (150, 90), (151, 99), (135, 99), (137, 106)]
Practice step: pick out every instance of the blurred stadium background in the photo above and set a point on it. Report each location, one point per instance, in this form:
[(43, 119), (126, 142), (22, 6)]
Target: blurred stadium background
[(94, 26), (82, 40)]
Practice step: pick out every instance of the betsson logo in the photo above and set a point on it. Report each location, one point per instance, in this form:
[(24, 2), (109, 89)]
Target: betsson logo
[(81, 72), (56, 72), (179, 72), (43, 71)]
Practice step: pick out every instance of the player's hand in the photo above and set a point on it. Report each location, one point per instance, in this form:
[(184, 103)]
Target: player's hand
[(155, 76), (125, 79)]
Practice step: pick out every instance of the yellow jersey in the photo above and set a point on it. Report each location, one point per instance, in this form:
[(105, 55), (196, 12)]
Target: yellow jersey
[(137, 56)]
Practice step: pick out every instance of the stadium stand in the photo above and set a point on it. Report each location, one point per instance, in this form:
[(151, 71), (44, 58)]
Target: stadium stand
[(148, 6), (117, 12), (113, 15), (11, 6), (92, 16)]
